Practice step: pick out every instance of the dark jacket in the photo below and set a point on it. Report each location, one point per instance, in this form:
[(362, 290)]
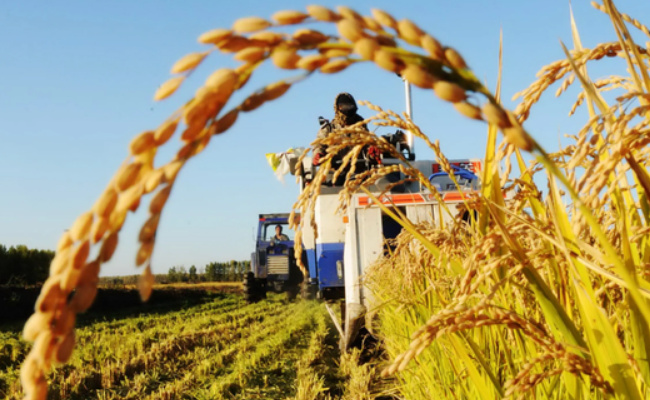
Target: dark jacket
[(345, 114)]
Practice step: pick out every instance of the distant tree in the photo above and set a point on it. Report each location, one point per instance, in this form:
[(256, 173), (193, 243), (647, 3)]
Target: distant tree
[(192, 274), (183, 275), (172, 275), (211, 272)]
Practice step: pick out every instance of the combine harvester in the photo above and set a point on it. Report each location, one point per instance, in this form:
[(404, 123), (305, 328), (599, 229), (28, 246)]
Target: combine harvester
[(348, 243), (345, 244)]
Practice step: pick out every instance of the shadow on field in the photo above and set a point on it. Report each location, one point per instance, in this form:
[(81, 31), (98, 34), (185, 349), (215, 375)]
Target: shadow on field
[(18, 302)]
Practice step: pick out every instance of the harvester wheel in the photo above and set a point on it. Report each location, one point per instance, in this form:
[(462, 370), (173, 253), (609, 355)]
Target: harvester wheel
[(308, 291)]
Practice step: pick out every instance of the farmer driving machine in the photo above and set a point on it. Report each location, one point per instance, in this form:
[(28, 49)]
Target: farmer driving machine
[(273, 264)]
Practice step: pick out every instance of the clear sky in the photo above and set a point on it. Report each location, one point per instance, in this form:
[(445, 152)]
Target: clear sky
[(77, 80)]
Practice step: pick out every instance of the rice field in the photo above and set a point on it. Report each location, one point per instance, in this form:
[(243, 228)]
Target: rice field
[(544, 295), (221, 348)]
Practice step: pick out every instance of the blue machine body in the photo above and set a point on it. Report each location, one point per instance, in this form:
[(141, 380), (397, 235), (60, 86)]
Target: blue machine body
[(330, 265)]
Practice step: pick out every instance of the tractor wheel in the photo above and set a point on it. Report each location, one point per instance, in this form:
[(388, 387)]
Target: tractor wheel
[(292, 293), (260, 286), (251, 291)]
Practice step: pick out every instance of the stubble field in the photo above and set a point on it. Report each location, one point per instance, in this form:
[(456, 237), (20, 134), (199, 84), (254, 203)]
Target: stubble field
[(213, 347)]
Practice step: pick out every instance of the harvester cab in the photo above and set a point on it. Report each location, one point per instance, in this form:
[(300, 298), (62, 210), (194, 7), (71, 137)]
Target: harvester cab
[(273, 264)]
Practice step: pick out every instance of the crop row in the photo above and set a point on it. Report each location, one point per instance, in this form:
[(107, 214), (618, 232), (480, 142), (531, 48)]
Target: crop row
[(115, 357)]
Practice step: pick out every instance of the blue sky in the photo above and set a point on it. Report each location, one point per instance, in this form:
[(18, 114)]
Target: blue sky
[(77, 80)]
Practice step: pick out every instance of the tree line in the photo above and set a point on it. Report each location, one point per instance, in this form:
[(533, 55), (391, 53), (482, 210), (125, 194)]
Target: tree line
[(230, 271), (20, 265)]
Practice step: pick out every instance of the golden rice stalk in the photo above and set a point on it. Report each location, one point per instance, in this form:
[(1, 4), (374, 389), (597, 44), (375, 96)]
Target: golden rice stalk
[(455, 60), (388, 61), (64, 349), (168, 88), (386, 41), (335, 52), (449, 91), (148, 230), (495, 115), (289, 17), (63, 322), (250, 54), (143, 142), (128, 176), (90, 273), (81, 227), (69, 280), (371, 24), (468, 110), (215, 36), (321, 13), (36, 324), (129, 199), (250, 24), (222, 82), (417, 76), (100, 226), (410, 32), (266, 38), (285, 58), (350, 14), (65, 241), (42, 346), (50, 296), (384, 18), (312, 62), (335, 66), (366, 48), (224, 123), (275, 90), (60, 261), (117, 219), (159, 200), (188, 62), (309, 37), (194, 115), (433, 47), (165, 131), (145, 283), (80, 254), (350, 29), (252, 102), (108, 247), (233, 44), (33, 380), (144, 253), (516, 136), (170, 171), (83, 297)]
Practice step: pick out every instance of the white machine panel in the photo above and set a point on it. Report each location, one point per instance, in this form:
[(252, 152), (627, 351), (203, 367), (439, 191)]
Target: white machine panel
[(331, 228)]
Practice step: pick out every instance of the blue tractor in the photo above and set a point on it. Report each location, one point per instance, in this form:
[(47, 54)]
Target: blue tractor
[(273, 264)]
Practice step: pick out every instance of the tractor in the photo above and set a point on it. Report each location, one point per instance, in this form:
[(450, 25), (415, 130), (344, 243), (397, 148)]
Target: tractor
[(273, 264)]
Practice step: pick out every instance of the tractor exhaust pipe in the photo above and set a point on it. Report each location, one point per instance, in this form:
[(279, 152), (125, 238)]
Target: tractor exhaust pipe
[(409, 112)]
